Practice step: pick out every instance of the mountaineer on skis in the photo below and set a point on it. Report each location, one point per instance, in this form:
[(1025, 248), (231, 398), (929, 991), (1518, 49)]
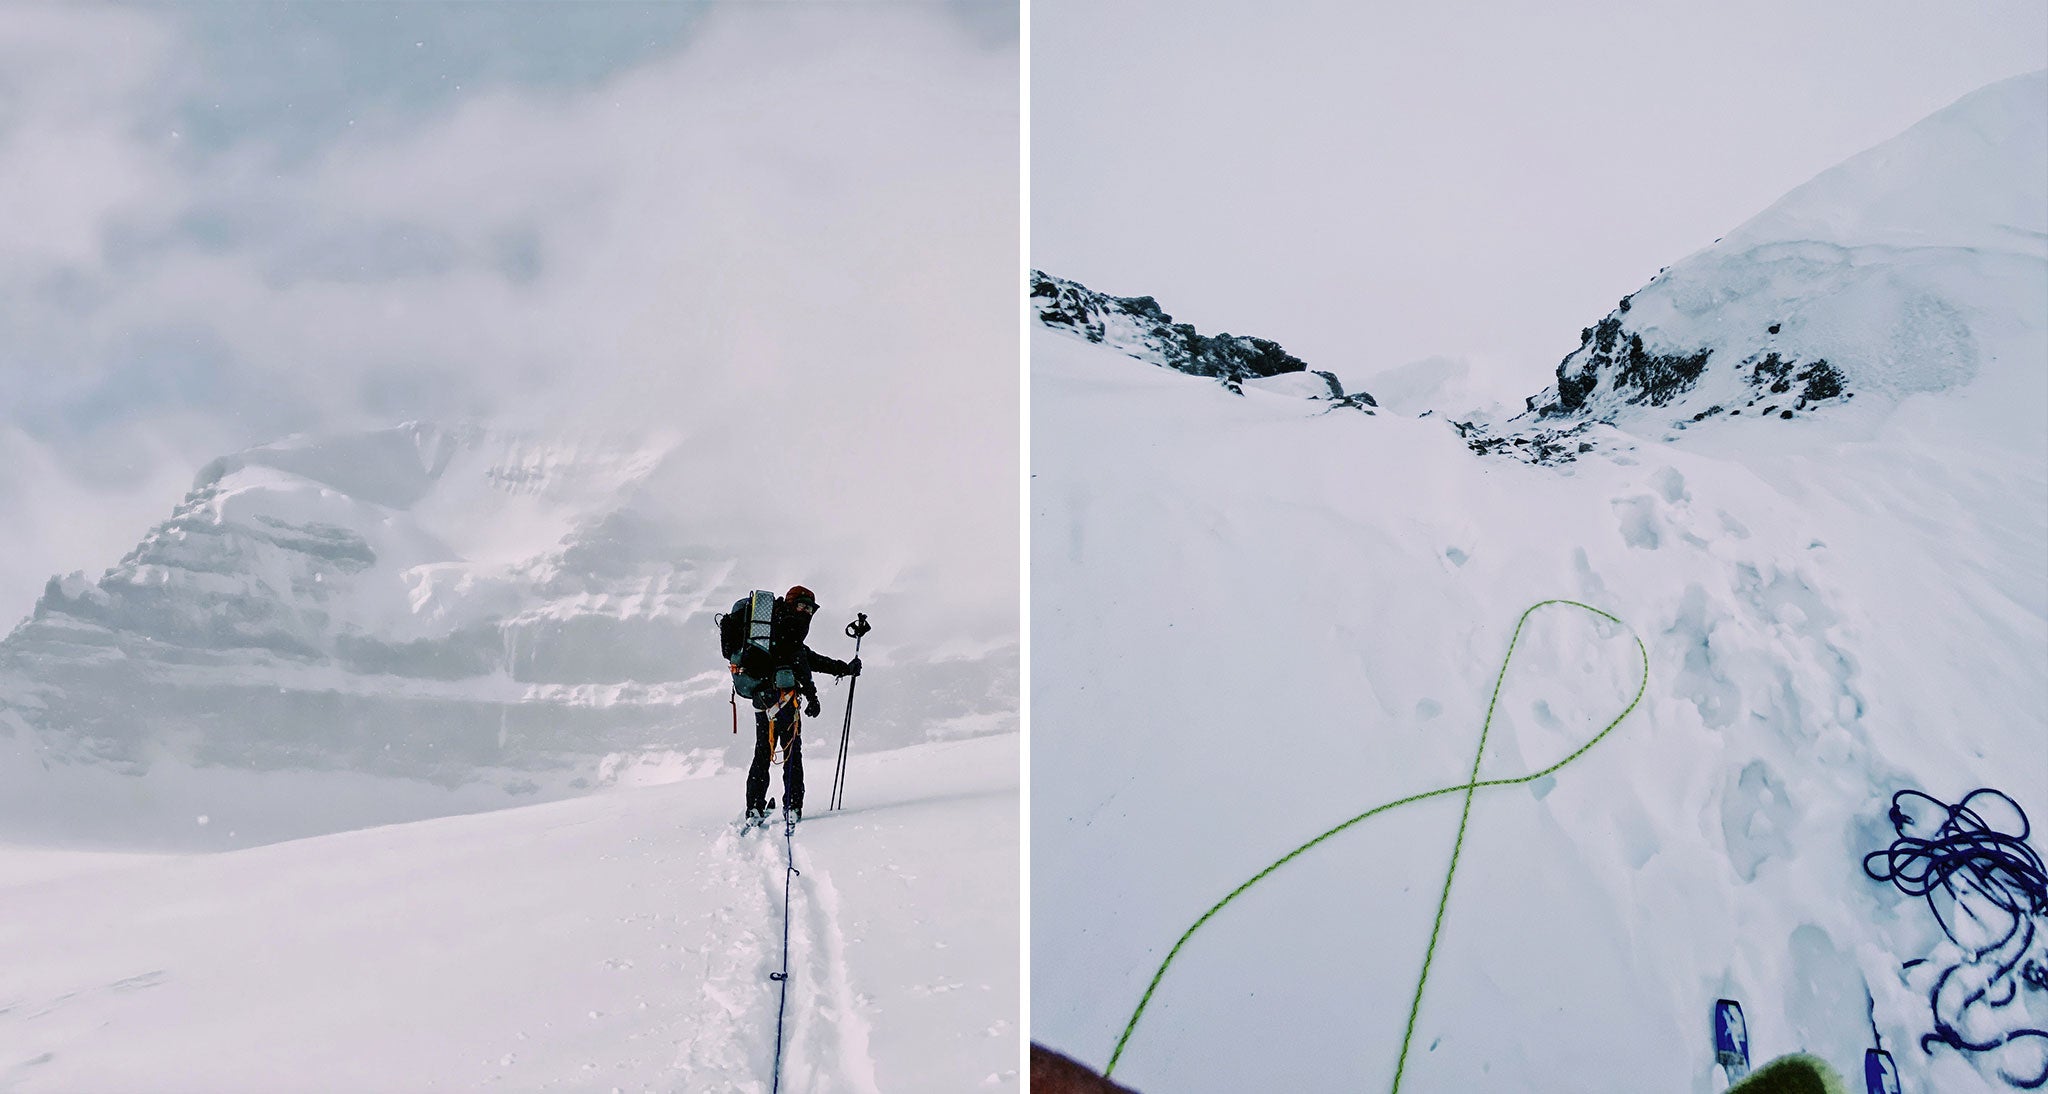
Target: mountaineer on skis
[(771, 666)]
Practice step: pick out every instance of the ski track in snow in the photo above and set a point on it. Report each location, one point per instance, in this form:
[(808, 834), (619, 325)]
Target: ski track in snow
[(727, 1041), (731, 1044), (622, 941)]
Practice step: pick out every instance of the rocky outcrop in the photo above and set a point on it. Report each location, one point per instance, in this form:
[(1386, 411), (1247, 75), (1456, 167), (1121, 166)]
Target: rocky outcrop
[(1613, 369), (1138, 327), (1915, 267)]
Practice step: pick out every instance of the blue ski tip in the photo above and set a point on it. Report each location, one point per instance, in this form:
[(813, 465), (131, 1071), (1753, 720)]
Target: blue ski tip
[(1731, 1038), (1880, 1075)]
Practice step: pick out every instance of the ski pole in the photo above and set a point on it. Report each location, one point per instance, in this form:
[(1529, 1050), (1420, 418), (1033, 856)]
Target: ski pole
[(855, 630)]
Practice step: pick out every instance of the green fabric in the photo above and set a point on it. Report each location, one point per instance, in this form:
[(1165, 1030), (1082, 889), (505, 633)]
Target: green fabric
[(1794, 1074)]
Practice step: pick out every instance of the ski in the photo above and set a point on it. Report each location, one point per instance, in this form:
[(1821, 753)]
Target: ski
[(1880, 1075), (750, 820), (1731, 1039), (1794, 1073)]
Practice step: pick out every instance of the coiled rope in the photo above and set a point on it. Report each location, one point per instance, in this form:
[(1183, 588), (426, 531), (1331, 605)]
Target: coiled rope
[(1471, 785), (1969, 861)]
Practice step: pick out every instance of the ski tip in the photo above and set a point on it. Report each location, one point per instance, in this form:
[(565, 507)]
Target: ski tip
[(1880, 1074), (1731, 1038)]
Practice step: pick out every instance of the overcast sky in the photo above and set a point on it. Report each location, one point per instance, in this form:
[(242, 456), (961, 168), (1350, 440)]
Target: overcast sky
[(228, 222), (1373, 183)]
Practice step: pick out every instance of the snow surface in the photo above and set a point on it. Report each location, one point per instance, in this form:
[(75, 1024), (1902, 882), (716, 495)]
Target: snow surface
[(619, 941), (1253, 620)]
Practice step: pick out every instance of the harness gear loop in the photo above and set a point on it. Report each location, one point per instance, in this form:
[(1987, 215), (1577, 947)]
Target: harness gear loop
[(796, 724)]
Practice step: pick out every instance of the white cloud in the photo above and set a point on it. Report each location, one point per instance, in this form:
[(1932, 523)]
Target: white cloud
[(806, 215), (75, 88)]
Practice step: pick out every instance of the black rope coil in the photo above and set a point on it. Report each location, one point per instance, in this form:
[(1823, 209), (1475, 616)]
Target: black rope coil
[(1972, 867)]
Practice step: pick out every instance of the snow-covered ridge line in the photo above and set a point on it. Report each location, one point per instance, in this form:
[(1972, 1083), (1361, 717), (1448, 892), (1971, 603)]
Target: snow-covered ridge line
[(1137, 327), (1907, 269)]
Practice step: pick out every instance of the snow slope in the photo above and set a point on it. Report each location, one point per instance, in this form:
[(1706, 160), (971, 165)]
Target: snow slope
[(1253, 620), (1915, 267), (620, 941)]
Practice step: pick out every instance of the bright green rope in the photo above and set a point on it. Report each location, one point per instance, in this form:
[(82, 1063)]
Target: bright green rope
[(1470, 786)]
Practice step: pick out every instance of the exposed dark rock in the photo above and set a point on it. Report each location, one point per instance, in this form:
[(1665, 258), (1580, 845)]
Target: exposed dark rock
[(1539, 446), (1817, 381), (1632, 372), (1139, 327), (1613, 367), (1823, 381)]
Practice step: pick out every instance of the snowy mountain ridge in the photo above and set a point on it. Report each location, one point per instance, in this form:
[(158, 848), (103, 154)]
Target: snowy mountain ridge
[(504, 614), (1909, 268)]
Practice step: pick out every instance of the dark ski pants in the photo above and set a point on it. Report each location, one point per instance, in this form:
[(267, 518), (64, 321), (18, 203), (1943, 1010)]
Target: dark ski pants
[(792, 769)]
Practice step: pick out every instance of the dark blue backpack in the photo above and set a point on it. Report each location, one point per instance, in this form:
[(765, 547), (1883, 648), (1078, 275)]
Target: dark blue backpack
[(744, 636)]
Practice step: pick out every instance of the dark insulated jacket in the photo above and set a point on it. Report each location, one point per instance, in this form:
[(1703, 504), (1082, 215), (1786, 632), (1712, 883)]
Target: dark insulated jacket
[(786, 650)]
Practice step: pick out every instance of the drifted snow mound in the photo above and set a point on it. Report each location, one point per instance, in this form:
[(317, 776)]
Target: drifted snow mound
[(411, 621), (1917, 266)]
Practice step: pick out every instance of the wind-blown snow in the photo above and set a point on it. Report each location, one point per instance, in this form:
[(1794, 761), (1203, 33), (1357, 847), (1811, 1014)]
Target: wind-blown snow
[(1253, 621)]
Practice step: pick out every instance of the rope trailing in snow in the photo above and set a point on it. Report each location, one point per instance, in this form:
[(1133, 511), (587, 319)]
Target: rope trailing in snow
[(789, 851), (1471, 785), (1990, 875)]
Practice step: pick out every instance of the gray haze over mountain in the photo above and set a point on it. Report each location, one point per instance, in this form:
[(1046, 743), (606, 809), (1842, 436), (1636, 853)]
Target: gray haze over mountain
[(783, 236)]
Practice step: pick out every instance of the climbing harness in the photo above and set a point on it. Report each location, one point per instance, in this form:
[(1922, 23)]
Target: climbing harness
[(782, 977), (855, 630), (1472, 784), (796, 725), (1966, 862)]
